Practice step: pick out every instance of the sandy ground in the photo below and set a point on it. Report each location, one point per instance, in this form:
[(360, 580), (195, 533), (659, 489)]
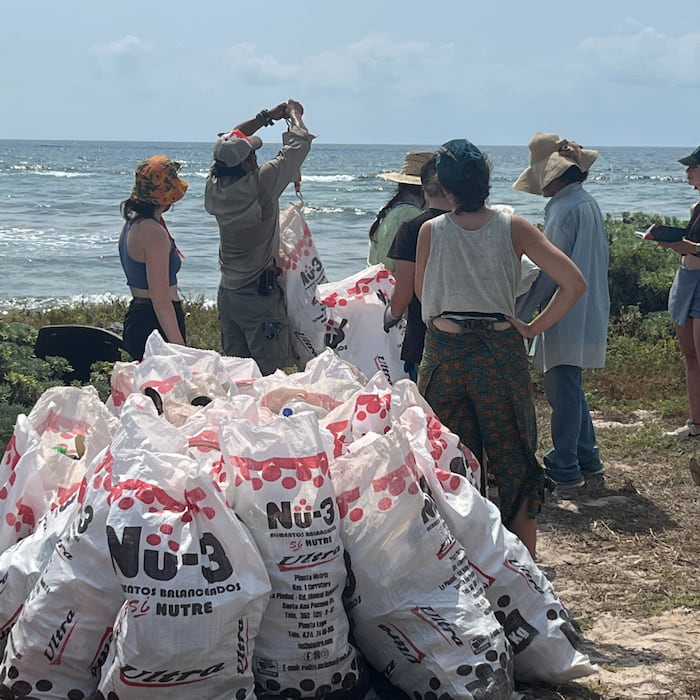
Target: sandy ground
[(623, 554), (638, 658)]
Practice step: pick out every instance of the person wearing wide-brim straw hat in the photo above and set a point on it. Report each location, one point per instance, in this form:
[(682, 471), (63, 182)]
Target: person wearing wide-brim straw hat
[(149, 256), (406, 203), (574, 223), (550, 158), (684, 302)]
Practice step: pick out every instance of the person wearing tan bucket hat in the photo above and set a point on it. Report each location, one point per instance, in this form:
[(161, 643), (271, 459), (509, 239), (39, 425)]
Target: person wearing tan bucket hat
[(573, 222), (405, 204), (149, 257)]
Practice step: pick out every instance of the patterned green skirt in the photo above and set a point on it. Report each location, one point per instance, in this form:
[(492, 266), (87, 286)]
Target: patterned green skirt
[(478, 384)]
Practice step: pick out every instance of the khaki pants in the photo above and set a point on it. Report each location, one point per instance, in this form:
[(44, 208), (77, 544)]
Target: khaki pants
[(256, 326)]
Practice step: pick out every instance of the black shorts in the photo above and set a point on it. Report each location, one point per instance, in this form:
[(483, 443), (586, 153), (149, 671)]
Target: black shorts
[(141, 320)]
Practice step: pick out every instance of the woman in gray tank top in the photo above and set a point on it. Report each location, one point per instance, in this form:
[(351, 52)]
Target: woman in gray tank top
[(474, 370)]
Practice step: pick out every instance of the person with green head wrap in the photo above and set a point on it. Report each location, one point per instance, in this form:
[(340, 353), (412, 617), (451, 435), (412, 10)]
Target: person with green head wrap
[(474, 370)]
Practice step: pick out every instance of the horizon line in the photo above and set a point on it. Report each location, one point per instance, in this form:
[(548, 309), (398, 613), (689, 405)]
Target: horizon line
[(405, 145)]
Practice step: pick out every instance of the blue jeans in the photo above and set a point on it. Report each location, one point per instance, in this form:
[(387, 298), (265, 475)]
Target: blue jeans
[(575, 451)]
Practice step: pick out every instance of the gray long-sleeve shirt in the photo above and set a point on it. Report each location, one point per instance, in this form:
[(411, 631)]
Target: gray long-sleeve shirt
[(247, 211)]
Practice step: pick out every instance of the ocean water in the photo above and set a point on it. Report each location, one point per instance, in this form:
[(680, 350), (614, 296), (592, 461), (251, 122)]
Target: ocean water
[(59, 207)]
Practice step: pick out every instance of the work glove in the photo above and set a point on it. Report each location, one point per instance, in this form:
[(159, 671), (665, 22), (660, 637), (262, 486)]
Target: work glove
[(389, 320)]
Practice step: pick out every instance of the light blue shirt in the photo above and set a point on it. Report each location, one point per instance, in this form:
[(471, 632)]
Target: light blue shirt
[(573, 222)]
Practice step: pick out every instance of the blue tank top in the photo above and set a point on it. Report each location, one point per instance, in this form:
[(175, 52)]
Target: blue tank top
[(135, 271)]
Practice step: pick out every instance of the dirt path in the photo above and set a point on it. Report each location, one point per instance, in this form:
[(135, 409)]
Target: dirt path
[(623, 555)]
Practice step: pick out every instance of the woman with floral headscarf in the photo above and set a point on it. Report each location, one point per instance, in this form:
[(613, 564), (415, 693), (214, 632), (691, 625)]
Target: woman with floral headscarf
[(150, 258)]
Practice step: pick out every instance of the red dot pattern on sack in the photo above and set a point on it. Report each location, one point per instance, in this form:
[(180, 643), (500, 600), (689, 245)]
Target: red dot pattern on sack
[(356, 514), (22, 518), (118, 397), (11, 456), (303, 505), (126, 492), (340, 437), (372, 405), (450, 482), (162, 386), (206, 441), (64, 494), (344, 499), (404, 478), (289, 471)]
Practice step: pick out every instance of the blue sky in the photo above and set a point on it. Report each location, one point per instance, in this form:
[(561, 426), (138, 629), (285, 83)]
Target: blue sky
[(602, 72)]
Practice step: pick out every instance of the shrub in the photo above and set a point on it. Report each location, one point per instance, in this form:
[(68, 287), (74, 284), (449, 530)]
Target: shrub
[(640, 272)]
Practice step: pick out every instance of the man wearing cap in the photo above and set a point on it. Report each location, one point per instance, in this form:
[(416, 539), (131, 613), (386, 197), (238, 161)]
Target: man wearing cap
[(573, 222), (244, 198), (684, 302)]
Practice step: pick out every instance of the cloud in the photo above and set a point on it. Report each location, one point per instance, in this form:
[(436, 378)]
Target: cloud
[(251, 67), (644, 57), (128, 64), (126, 45), (377, 61)]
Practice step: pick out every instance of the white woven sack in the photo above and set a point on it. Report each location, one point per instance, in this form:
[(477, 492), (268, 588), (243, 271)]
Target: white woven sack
[(194, 582), (418, 610), (280, 487), (536, 623), (60, 640), (176, 376), (302, 271), (22, 564), (355, 310), (48, 455)]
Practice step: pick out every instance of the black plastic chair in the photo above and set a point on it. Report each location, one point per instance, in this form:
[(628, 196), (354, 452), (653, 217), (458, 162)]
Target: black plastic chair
[(80, 345)]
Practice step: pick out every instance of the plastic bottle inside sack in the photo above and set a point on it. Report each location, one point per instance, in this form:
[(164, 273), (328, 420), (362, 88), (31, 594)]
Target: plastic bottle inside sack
[(297, 406)]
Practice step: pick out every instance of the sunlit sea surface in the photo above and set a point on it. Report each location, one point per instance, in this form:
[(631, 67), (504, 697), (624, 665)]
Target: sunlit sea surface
[(59, 207)]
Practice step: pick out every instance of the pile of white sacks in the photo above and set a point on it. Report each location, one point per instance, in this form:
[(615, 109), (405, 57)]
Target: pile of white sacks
[(210, 533)]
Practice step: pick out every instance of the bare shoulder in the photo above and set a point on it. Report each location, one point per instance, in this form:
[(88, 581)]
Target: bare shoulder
[(151, 225), (518, 224), (149, 229), (426, 228), (148, 234)]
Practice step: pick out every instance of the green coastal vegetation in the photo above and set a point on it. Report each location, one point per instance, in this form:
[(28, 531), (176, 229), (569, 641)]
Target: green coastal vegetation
[(644, 367)]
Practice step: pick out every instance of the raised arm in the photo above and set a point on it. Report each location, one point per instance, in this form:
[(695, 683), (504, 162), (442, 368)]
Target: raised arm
[(265, 117), (528, 240), (295, 111)]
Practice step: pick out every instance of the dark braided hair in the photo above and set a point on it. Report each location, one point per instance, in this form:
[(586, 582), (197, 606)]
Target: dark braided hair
[(406, 194)]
